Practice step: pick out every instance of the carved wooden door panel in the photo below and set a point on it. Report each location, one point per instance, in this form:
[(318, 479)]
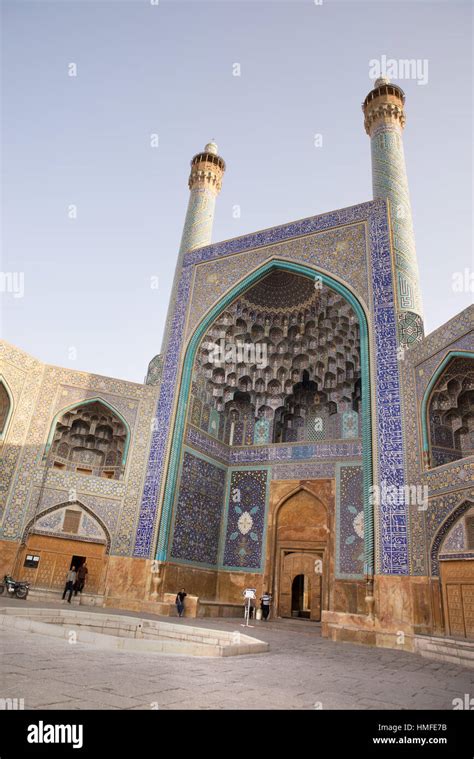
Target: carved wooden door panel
[(316, 583), (455, 610), (286, 577), (468, 608), (457, 581), (95, 567), (55, 561)]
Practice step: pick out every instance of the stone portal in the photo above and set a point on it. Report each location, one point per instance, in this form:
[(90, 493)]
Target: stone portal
[(300, 549)]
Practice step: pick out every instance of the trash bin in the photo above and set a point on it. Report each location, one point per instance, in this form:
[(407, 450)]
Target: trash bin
[(258, 615)]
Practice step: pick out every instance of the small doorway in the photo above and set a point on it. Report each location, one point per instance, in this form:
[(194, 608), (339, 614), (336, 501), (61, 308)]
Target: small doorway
[(77, 561), (300, 584), (301, 597)]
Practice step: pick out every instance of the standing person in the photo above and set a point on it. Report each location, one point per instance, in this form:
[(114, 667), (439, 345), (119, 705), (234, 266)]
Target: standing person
[(70, 580), (180, 601), (265, 602), (81, 578)]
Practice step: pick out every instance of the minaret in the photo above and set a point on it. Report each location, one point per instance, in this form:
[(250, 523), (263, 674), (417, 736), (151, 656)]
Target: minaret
[(205, 182), (384, 123)]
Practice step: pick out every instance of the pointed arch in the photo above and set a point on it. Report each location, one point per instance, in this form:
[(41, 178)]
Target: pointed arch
[(450, 355), (63, 505), (443, 530), (6, 422), (300, 488), (86, 402), (244, 284), (294, 491)]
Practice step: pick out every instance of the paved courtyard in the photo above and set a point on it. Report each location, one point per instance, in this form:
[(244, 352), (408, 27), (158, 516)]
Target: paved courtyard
[(301, 671)]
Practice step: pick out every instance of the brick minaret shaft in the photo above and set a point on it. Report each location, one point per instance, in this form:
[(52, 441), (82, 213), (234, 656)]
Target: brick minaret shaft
[(205, 182), (384, 121)]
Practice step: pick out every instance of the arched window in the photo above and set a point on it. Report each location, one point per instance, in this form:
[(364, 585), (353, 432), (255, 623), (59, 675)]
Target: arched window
[(90, 438), (450, 413)]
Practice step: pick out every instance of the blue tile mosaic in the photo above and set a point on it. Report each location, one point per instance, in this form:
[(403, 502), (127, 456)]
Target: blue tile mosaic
[(245, 519), (393, 546), (350, 522), (198, 511)]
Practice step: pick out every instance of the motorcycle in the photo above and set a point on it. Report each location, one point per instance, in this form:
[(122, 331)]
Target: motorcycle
[(14, 588)]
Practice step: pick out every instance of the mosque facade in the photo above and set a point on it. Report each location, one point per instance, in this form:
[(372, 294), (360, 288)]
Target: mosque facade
[(298, 433)]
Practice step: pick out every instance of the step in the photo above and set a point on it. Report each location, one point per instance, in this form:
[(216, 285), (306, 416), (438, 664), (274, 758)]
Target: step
[(455, 650), (55, 596), (452, 650)]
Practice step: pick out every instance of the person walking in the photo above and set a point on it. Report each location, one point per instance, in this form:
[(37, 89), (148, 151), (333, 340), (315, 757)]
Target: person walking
[(81, 578), (180, 601), (265, 602), (70, 580)]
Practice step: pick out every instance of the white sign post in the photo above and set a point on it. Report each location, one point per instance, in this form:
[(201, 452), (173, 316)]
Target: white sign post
[(249, 595)]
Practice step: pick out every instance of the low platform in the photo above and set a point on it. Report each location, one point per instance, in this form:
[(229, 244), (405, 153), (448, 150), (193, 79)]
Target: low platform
[(125, 633)]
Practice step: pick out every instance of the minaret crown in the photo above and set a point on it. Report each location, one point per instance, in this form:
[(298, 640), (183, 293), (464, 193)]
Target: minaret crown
[(207, 169), (384, 105)]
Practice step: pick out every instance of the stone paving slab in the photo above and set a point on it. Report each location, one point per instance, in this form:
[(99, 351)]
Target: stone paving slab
[(300, 671)]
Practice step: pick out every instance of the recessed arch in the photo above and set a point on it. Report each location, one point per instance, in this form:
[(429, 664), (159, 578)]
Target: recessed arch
[(185, 384), (294, 491), (300, 488), (300, 542), (427, 398), (443, 530), (7, 415), (86, 402), (65, 504)]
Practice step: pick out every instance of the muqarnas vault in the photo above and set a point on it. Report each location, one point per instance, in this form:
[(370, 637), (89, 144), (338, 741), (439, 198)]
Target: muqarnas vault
[(297, 434)]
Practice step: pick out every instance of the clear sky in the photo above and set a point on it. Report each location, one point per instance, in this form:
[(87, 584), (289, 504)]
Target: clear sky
[(168, 69)]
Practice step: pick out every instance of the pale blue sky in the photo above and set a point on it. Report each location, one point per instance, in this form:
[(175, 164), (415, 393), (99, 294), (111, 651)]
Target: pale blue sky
[(167, 69)]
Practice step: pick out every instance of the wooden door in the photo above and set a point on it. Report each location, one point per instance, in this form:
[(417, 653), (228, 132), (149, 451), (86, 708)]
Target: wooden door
[(457, 581), (55, 555), (293, 565)]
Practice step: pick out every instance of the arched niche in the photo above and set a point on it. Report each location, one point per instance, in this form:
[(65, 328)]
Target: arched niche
[(70, 520), (448, 411), (448, 535), (187, 382), (91, 438), (301, 517), (286, 347)]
